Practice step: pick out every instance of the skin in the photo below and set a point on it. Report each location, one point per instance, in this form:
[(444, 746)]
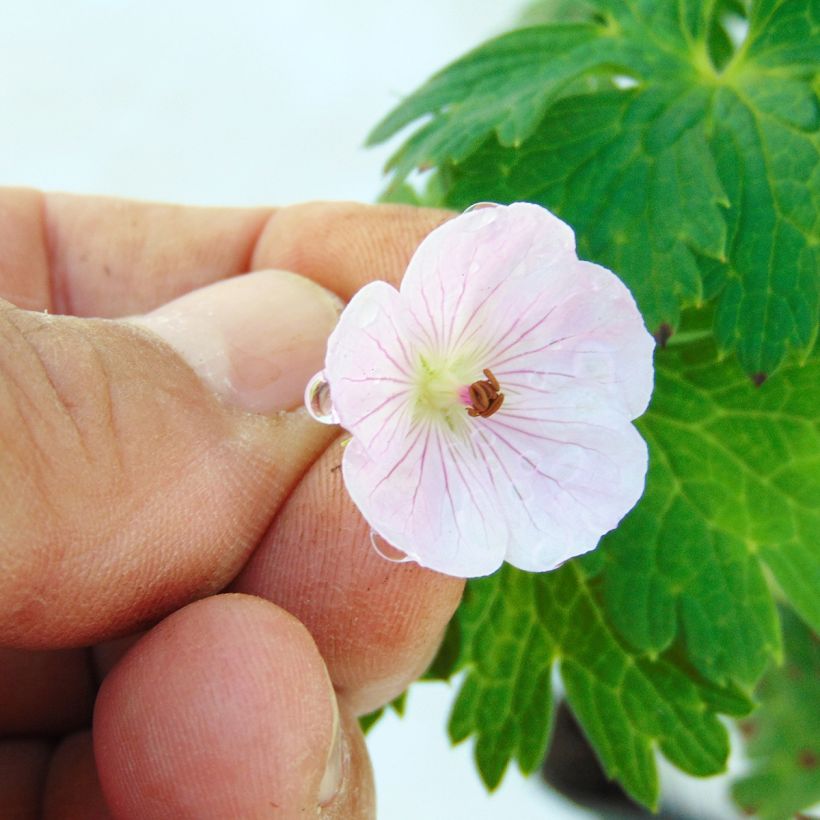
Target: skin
[(196, 668)]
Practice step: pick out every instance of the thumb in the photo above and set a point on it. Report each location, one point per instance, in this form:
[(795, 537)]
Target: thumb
[(226, 709), (141, 460)]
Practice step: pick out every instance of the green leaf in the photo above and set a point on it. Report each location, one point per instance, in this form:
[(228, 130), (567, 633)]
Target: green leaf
[(516, 625), (720, 40), (690, 164), (784, 734), (402, 194), (649, 216), (698, 182), (504, 86), (506, 699), (734, 481), (551, 11), (368, 721), (670, 621)]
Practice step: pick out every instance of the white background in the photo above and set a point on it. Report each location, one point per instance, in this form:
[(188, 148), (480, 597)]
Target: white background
[(248, 102), (252, 102)]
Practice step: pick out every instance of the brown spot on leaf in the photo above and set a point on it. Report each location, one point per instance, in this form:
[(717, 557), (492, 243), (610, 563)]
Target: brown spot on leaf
[(663, 334), (758, 378), (793, 672), (807, 759), (748, 729)]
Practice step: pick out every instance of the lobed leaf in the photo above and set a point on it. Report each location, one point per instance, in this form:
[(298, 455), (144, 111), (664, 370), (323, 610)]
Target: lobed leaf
[(733, 488), (702, 180), (516, 626), (670, 621), (689, 163)]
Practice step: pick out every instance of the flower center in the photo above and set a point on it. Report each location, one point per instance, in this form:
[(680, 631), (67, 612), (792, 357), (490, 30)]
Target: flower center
[(444, 389), (440, 387)]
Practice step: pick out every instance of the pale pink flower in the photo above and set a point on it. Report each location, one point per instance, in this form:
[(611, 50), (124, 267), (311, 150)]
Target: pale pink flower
[(538, 480)]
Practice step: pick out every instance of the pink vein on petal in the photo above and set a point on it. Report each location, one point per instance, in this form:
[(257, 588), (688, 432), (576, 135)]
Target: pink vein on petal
[(536, 349), (387, 315), (466, 483), (447, 482), (421, 328), (503, 466), (529, 461), (460, 340), (457, 305), (442, 310), (400, 342), (498, 423), (523, 388), (436, 339), (386, 354), (540, 472), (384, 424), (422, 462), (575, 422), (376, 409), (398, 463), (524, 335), (534, 372), (491, 348), (479, 456)]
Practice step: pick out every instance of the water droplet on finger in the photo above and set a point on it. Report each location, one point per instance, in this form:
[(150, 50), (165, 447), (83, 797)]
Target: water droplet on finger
[(386, 550), (318, 401), (477, 206)]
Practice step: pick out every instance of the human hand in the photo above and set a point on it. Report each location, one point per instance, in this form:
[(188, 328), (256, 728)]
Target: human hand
[(130, 486)]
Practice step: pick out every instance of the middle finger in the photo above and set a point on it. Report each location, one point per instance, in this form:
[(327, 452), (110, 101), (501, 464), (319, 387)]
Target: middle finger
[(376, 623)]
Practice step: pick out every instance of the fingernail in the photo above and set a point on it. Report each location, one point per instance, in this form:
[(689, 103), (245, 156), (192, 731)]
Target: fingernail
[(332, 779), (255, 339)]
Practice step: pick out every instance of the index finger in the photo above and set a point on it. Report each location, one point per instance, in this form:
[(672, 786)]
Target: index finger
[(97, 256), (344, 245)]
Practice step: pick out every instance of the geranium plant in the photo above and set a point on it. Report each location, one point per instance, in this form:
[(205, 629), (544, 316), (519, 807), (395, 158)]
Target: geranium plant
[(679, 139)]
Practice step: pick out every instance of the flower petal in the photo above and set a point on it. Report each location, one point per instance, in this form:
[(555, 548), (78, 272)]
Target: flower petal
[(542, 477), (368, 368), (581, 325), (434, 502), (572, 476), (498, 283), (533, 494), (462, 269)]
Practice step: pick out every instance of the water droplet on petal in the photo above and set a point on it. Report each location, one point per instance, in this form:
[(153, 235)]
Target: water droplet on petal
[(380, 545), (317, 400), (477, 206)]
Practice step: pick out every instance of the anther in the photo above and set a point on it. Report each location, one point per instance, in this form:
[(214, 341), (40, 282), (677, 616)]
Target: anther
[(485, 398)]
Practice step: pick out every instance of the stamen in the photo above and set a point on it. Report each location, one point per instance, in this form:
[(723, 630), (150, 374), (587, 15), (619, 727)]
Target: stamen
[(484, 396)]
